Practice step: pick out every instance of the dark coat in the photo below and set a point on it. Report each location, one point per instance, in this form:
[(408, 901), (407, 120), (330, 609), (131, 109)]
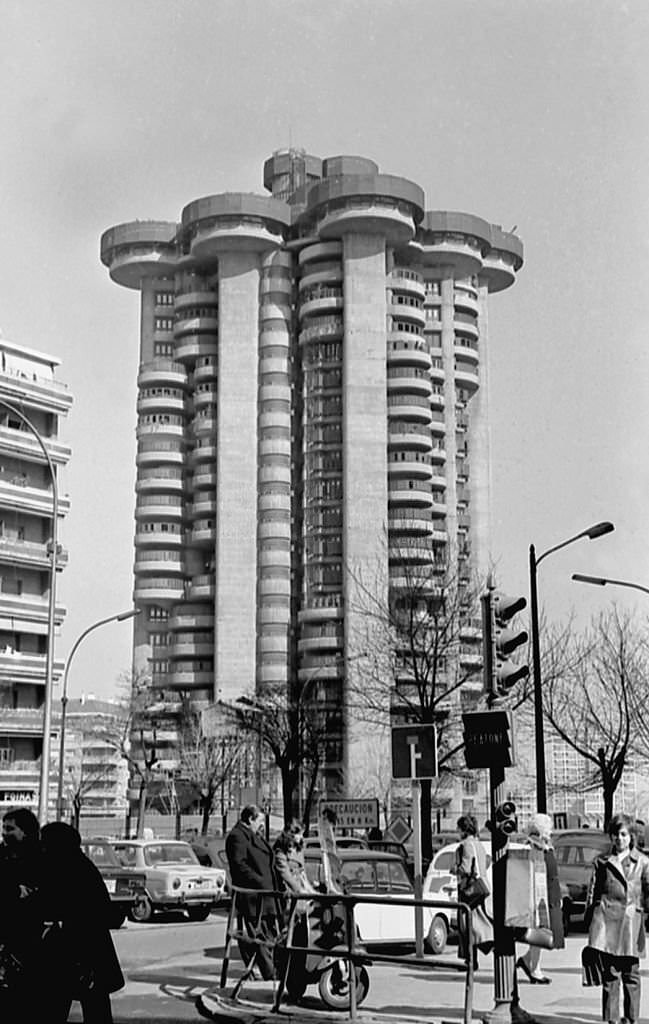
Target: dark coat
[(251, 866), (616, 904), (74, 894)]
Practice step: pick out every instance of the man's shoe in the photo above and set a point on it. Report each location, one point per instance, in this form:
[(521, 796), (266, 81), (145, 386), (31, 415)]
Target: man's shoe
[(521, 1016)]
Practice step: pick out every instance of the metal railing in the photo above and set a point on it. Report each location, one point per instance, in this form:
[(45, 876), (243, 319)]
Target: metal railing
[(254, 931)]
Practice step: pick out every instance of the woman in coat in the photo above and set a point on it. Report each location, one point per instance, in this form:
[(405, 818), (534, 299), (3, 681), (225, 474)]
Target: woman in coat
[(21, 918), (618, 899), (539, 837), (470, 863), (78, 949)]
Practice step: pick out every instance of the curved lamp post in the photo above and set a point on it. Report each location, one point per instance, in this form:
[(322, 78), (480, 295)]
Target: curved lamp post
[(43, 789), (601, 581), (592, 532), (120, 617)]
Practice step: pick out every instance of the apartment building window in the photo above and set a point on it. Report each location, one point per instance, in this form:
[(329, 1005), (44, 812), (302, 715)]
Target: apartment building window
[(164, 298), (163, 323), (158, 614), (8, 585), (163, 348), (7, 755)]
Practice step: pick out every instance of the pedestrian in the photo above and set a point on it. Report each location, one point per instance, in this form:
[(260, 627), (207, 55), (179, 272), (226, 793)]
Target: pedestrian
[(288, 861), (471, 871), (539, 837), (618, 899), (250, 859), (78, 947), (21, 916)]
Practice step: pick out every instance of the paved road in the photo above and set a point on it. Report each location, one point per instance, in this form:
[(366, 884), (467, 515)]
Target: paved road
[(168, 964)]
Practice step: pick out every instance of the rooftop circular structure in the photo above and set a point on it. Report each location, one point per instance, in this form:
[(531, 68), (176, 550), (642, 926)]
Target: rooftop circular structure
[(338, 165), (234, 221), (504, 259), (137, 250), (453, 239), (367, 203)]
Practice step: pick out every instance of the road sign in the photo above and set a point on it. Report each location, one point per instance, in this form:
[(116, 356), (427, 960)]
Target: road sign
[(353, 813), (489, 739), (398, 831), (414, 752)]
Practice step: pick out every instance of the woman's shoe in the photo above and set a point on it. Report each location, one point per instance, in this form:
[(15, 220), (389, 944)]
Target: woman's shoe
[(525, 969), (540, 979)]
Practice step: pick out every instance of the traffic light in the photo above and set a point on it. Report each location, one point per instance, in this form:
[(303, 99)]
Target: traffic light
[(506, 820), (506, 639)]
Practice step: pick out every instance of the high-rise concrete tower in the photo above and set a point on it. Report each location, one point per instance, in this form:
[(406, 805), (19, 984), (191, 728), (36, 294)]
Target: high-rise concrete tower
[(312, 401)]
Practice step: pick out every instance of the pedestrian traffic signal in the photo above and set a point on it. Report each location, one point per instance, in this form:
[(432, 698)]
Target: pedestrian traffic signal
[(506, 640), (506, 820)]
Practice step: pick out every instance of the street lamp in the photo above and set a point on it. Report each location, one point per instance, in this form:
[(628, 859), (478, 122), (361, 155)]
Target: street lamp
[(592, 532), (43, 791), (120, 617), (601, 581)]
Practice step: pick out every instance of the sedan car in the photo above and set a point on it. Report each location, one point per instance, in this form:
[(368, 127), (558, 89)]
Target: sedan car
[(175, 879), (125, 887), (576, 850)]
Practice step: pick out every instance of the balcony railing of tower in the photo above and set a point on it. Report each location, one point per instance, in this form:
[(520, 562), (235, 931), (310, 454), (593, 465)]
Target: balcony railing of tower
[(321, 327), (33, 378)]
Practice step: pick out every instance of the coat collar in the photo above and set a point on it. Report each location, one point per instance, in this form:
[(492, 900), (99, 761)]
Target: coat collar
[(628, 865)]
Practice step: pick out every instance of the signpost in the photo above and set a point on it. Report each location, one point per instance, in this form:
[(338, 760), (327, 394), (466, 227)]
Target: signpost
[(398, 831), (414, 757), (489, 739), (352, 813)]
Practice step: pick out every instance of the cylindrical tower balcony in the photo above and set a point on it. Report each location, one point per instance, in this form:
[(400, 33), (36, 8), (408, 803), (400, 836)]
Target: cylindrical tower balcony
[(154, 451), (467, 375), (203, 478), (158, 562), (503, 260), (192, 645), (327, 273), (465, 324), (206, 369), (203, 532), (201, 587), (409, 468), (321, 252), (322, 328), (138, 250), (279, 529), (410, 407), (191, 675), (161, 535), (406, 353), (162, 373), (205, 394), (410, 519), (156, 506), (163, 590), (203, 506), (191, 347), (161, 399), (188, 321), (405, 435), (419, 494), (187, 618), (234, 221), (456, 240), (204, 424), (323, 305), (408, 379), (414, 314), (407, 281), (161, 425), (466, 300), (367, 202), (204, 451), (196, 298)]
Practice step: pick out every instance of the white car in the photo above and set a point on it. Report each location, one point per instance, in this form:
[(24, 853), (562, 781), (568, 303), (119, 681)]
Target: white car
[(175, 878)]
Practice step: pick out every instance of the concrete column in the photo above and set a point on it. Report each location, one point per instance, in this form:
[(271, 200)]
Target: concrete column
[(236, 467), (480, 452), (365, 477)]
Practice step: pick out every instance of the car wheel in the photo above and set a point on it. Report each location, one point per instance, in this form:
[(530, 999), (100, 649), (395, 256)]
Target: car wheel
[(333, 985), (142, 910), (199, 913), (437, 935), (117, 918)]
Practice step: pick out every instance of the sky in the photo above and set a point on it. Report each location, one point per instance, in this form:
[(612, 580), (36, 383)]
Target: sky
[(531, 114)]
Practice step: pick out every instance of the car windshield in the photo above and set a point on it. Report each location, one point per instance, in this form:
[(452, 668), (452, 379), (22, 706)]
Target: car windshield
[(391, 876), (169, 853), (359, 874), (101, 855)]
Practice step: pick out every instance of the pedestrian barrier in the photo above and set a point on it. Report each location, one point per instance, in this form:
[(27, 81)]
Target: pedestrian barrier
[(256, 933)]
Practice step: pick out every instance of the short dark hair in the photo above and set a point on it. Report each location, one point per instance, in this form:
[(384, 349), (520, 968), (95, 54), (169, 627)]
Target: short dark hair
[(60, 838), (26, 821), (249, 813), (285, 842), (619, 821), (294, 827), (467, 823)]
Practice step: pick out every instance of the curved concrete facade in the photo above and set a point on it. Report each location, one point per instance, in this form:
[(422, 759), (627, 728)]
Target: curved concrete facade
[(313, 410)]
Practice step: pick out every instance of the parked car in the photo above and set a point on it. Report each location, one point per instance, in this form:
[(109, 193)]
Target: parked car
[(175, 879), (210, 851), (342, 842), (125, 887), (575, 850)]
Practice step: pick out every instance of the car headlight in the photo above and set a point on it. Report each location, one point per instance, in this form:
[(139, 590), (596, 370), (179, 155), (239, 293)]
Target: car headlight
[(176, 883)]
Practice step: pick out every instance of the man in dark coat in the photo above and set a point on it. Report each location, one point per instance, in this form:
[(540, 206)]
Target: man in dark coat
[(251, 866)]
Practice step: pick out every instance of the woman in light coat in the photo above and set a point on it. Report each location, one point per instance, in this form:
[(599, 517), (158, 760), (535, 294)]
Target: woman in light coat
[(539, 837), (618, 899)]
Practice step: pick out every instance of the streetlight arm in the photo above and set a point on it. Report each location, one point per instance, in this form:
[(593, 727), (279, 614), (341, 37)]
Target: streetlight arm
[(598, 530), (601, 581)]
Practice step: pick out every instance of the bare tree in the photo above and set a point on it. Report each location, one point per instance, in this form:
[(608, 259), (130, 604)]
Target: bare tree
[(204, 761), (79, 782), (413, 656), (590, 697)]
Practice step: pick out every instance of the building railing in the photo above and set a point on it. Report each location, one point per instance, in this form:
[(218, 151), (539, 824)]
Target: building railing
[(350, 949)]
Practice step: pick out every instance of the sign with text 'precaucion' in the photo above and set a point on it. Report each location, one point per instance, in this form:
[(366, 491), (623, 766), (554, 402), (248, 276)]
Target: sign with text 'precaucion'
[(353, 813)]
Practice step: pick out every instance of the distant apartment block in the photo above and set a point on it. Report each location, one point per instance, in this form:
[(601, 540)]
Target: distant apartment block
[(94, 770), (27, 382), (312, 407)]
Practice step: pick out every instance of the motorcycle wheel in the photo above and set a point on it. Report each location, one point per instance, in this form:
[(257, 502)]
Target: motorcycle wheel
[(333, 985)]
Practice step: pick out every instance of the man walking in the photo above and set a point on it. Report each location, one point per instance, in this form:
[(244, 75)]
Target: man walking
[(251, 866)]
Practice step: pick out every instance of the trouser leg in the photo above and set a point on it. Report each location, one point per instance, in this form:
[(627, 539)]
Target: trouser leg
[(610, 987), (631, 988), (96, 1008)]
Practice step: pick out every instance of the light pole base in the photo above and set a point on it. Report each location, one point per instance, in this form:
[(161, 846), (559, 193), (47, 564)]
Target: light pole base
[(501, 1014)]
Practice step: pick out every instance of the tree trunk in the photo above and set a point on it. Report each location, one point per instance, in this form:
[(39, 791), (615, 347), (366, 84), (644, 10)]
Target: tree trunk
[(141, 808), (308, 802), (426, 820), (76, 804), (608, 792)]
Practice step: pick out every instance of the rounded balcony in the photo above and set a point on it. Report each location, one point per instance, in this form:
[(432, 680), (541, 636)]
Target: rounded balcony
[(203, 507), (438, 423), (324, 328), (154, 451), (160, 478), (410, 467), (268, 502), (411, 520), (465, 324), (274, 364), (274, 586), (466, 375), (406, 435), (199, 298), (188, 322), (202, 452), (269, 447), (205, 370), (404, 353), (407, 281), (331, 641), (366, 203), (161, 373), (399, 494), (161, 399), (205, 395), (234, 221), (467, 350), (503, 260), (191, 617), (139, 250), (417, 553), (160, 425), (192, 645), (205, 426), (278, 529), (410, 407), (321, 306), (203, 478), (274, 418), (404, 311), (275, 392), (191, 678), (195, 346), (203, 533), (201, 587), (437, 373), (158, 589), (165, 506), (465, 300), (319, 253), (158, 562), (276, 284), (159, 537), (321, 274), (408, 380), (456, 240), (322, 673)]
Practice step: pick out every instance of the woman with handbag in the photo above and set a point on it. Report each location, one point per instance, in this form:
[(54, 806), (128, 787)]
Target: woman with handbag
[(472, 888), (618, 899), (539, 837)]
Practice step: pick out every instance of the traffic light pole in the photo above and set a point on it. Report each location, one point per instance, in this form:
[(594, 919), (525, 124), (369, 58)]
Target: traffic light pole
[(504, 949), (539, 739)]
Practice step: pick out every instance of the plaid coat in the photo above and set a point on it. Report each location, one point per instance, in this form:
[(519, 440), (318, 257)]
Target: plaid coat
[(617, 901)]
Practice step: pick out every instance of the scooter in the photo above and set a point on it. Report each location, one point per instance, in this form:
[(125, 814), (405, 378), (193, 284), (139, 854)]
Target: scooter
[(323, 925)]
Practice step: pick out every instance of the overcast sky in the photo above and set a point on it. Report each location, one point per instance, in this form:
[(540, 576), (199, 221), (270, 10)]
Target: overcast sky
[(532, 114)]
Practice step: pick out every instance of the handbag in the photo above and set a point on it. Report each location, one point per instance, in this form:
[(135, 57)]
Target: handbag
[(591, 967), (475, 890)]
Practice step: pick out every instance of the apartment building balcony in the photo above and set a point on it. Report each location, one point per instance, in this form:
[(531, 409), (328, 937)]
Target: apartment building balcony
[(159, 538), (407, 281), (465, 300), (148, 561), (201, 587), (191, 679), (21, 444), (234, 222), (403, 435), (330, 641), (189, 321), (205, 425), (205, 372), (191, 618), (401, 352), (36, 391), (205, 452), (457, 240), (411, 520), (164, 428), (160, 478), (27, 608), (154, 451), (162, 372), (18, 667), (203, 533), (160, 402), (405, 311), (205, 395), (158, 589), (410, 407), (417, 494), (193, 645), (203, 479), (409, 469), (320, 306), (323, 673), (20, 721), (14, 551), (467, 376), (195, 346)]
